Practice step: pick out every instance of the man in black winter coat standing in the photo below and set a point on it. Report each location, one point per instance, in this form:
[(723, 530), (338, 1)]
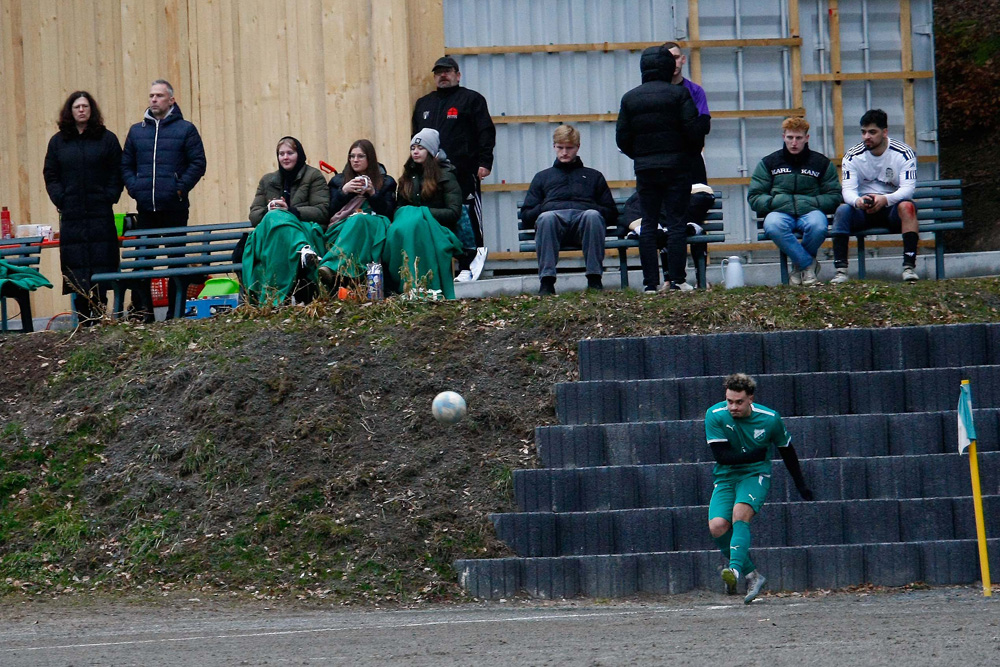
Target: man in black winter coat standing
[(162, 161), (468, 137), (658, 128)]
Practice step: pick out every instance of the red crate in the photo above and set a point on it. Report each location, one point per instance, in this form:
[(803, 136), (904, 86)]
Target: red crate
[(160, 287)]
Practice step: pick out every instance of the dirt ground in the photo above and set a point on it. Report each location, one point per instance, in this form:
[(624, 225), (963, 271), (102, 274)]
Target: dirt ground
[(954, 626)]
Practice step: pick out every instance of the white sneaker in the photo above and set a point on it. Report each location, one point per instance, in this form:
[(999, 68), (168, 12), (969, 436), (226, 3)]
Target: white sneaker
[(795, 278), (910, 275), (810, 276), (682, 287), (478, 262), (464, 276), (841, 277)]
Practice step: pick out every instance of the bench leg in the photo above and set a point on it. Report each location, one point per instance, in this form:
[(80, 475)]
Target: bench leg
[(23, 299), (784, 267), (861, 257), (700, 266), (179, 285), (623, 266), (938, 256), (118, 308)]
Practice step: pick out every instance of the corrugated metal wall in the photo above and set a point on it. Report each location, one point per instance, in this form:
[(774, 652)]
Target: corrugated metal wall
[(747, 78)]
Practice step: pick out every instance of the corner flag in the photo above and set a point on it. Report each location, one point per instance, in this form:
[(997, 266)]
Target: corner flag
[(966, 428), (967, 440)]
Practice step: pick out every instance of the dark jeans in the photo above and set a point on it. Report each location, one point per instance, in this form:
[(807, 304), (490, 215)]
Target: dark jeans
[(142, 293), (669, 190)]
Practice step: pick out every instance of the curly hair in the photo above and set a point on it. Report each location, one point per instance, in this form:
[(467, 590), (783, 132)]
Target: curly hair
[(740, 382), (795, 124), (66, 122)]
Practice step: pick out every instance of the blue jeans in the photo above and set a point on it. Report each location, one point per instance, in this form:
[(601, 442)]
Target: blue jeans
[(781, 228)]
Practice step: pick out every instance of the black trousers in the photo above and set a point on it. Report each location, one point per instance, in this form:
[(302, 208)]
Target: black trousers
[(472, 197), (668, 190), (142, 292)]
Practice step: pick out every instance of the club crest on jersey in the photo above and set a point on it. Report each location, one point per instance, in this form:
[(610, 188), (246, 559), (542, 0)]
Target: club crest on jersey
[(758, 433), (453, 113)]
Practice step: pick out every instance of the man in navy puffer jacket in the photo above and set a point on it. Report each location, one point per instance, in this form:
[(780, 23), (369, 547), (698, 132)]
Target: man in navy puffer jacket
[(162, 161)]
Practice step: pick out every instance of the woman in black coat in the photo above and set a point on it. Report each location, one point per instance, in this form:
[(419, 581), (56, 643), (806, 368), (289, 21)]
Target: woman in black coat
[(83, 178)]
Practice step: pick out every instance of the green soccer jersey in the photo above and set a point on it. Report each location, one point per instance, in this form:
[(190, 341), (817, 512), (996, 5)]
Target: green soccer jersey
[(761, 429)]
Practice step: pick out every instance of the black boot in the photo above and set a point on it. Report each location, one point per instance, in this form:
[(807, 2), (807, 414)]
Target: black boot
[(547, 285), (594, 282)]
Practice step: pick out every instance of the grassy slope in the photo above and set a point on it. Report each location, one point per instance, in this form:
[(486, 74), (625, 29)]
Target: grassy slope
[(294, 453)]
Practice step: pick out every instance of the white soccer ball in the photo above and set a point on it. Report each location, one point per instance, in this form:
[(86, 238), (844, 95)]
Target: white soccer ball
[(448, 407)]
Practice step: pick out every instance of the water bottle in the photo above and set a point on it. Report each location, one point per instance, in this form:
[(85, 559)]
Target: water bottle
[(732, 272)]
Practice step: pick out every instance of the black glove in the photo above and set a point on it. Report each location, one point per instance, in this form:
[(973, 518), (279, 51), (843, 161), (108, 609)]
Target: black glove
[(805, 491)]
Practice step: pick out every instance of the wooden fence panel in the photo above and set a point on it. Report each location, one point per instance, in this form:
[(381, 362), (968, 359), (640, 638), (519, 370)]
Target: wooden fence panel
[(246, 72)]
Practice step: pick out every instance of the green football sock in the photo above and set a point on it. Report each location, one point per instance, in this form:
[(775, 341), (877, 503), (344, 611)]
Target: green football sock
[(723, 542), (739, 548)]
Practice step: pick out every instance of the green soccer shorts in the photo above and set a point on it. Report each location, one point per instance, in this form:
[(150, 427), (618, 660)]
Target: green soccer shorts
[(750, 490)]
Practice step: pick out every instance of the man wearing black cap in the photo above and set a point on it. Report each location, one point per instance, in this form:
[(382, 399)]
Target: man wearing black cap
[(468, 137)]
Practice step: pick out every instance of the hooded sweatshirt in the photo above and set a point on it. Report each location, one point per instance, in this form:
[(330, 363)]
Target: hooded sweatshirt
[(658, 122)]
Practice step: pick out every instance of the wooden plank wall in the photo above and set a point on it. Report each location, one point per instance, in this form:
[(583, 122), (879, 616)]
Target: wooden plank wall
[(246, 72)]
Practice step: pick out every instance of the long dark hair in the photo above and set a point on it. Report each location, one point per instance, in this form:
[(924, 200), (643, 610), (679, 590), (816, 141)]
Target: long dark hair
[(66, 122), (431, 170), (373, 172)]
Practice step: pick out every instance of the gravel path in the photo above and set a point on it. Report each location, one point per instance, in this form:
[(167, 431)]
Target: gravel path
[(954, 626)]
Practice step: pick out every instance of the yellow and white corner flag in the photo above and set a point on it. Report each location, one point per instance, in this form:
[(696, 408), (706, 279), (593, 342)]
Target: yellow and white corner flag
[(967, 440), (966, 428)]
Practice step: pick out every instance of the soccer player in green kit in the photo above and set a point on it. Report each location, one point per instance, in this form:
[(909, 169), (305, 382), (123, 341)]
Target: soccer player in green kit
[(741, 435)]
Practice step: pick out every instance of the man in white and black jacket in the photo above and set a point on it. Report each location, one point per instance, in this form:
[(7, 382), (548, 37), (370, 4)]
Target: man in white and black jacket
[(462, 118), (879, 177)]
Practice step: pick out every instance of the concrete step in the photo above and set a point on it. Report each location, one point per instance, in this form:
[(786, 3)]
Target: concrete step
[(811, 351), (792, 394), (546, 534), (681, 484), (644, 443), (945, 562)]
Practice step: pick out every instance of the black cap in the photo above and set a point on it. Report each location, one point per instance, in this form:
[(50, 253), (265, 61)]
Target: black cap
[(445, 61)]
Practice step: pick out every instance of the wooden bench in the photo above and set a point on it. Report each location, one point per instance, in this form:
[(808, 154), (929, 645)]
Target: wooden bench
[(712, 226), (182, 254), (939, 209), (19, 252)]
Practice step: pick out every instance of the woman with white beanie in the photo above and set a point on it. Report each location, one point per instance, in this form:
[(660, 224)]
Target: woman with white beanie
[(422, 234)]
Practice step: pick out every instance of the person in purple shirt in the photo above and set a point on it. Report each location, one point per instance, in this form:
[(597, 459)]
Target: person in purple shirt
[(701, 196)]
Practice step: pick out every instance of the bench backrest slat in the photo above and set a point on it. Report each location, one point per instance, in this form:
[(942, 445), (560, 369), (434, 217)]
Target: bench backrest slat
[(181, 250)]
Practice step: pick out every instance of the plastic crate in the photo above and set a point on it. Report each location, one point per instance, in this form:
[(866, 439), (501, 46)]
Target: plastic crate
[(161, 286), (197, 309)]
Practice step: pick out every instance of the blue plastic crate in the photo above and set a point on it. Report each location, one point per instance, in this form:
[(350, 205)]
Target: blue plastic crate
[(197, 309)]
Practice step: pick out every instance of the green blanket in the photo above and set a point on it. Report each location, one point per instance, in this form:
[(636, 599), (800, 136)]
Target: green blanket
[(24, 277), (354, 243), (271, 262), (428, 247)]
